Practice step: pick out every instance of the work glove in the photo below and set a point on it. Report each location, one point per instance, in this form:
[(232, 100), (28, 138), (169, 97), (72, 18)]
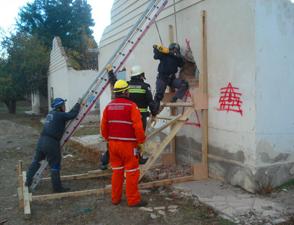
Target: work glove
[(141, 148), (80, 100), (109, 68), (161, 49), (153, 121)]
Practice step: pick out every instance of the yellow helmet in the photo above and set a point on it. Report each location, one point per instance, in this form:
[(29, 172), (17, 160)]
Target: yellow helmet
[(120, 86)]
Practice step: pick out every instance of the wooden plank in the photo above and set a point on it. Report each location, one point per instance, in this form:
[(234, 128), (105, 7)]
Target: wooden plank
[(177, 104), (166, 182), (72, 194), (26, 197), (88, 175), (166, 141), (20, 184), (166, 118), (200, 171), (163, 127), (107, 189), (204, 89)]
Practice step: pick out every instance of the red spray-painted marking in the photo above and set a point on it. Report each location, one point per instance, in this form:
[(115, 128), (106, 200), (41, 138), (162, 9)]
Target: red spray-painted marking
[(230, 99), (196, 124)]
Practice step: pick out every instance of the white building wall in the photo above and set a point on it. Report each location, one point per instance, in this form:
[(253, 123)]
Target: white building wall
[(274, 83), (66, 82), (234, 33)]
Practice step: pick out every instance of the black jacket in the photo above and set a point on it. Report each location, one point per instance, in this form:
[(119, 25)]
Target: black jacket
[(55, 122), (140, 93), (168, 65)]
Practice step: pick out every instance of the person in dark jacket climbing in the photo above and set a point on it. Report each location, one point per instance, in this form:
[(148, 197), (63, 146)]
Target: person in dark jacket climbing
[(140, 93), (48, 146), (170, 60)]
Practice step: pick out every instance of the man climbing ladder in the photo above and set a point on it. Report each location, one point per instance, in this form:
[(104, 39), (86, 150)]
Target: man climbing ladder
[(48, 146)]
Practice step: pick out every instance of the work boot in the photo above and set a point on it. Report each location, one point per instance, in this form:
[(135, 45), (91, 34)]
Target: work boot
[(174, 99), (56, 182), (103, 167), (142, 203), (142, 159), (31, 172), (104, 160)]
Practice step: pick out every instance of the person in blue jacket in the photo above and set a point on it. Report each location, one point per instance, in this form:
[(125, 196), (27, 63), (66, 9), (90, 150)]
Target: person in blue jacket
[(48, 146), (170, 60)]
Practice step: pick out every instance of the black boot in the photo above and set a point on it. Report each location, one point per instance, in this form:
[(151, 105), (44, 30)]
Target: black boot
[(142, 203), (56, 182), (104, 160), (174, 99), (142, 159), (31, 172)]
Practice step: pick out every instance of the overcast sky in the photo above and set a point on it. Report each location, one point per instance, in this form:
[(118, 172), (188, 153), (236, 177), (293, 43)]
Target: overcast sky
[(100, 13)]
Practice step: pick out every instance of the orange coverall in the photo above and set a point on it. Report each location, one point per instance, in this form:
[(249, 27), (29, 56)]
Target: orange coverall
[(122, 127)]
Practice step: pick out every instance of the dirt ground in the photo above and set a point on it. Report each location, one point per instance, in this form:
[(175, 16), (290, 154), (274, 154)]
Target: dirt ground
[(18, 136)]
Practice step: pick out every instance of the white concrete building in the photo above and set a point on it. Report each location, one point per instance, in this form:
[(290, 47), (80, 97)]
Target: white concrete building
[(251, 48), (64, 81)]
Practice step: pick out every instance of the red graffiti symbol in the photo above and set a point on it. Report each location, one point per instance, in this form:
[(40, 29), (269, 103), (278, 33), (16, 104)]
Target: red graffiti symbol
[(230, 99)]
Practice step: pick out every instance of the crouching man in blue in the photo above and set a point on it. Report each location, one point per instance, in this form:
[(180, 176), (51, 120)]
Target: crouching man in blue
[(48, 146)]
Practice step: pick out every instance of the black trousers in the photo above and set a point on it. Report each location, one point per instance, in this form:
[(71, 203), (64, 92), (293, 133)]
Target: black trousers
[(180, 85), (49, 149)]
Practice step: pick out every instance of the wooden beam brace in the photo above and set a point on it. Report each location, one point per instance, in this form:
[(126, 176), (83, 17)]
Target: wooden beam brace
[(167, 118), (152, 159), (72, 194), (204, 89), (20, 185), (107, 190), (200, 171), (177, 104), (164, 126), (27, 197), (88, 175)]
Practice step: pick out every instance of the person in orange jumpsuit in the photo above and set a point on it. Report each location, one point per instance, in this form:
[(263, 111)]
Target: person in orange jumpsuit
[(122, 127)]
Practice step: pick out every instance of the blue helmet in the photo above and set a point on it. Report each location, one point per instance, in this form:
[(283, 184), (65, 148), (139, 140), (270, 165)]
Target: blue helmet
[(57, 102)]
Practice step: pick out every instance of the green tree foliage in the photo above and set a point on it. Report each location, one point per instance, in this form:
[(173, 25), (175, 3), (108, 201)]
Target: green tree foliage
[(71, 20), (9, 88), (24, 70), (28, 61), (24, 65)]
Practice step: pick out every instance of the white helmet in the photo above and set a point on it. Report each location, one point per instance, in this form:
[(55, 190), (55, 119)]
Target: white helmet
[(136, 70)]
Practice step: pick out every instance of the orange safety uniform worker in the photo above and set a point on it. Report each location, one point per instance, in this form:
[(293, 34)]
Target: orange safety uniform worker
[(122, 127)]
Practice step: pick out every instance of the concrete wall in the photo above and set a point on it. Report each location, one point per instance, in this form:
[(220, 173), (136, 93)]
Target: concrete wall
[(274, 90), (64, 81), (235, 30)]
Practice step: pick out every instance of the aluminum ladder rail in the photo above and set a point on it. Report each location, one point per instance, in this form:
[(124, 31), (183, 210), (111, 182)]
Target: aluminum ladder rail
[(101, 82)]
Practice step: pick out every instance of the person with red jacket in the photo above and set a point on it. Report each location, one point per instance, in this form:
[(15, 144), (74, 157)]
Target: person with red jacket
[(122, 127)]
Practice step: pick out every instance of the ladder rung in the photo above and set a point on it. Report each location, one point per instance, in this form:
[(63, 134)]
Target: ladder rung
[(177, 104)]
